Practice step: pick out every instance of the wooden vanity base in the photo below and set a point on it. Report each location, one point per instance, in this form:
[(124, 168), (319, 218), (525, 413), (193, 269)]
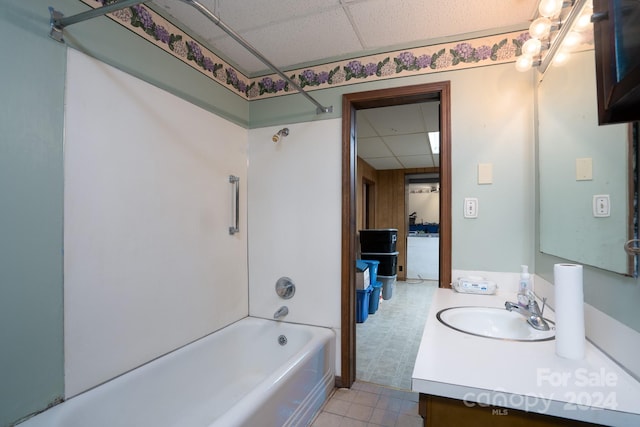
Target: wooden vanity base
[(445, 412)]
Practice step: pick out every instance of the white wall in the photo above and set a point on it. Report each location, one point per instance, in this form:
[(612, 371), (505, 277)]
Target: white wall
[(149, 264), (426, 206), (295, 195), (295, 215)]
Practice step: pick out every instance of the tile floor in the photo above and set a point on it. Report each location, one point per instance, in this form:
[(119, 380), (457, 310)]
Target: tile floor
[(367, 405), (387, 342)]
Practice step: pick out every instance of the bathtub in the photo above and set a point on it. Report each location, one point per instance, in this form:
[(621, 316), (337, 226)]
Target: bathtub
[(241, 375)]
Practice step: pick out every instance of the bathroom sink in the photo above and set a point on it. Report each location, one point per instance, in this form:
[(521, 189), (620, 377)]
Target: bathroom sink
[(493, 322)]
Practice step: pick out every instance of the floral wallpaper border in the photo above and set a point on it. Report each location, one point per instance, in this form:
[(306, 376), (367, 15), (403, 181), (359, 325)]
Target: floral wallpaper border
[(429, 59)]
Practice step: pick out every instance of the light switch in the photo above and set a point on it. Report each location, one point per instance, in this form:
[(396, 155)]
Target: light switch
[(485, 173), (584, 169), (601, 206), (470, 207)]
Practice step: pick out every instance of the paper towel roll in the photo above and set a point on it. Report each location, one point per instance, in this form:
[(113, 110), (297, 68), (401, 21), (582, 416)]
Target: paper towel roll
[(569, 310)]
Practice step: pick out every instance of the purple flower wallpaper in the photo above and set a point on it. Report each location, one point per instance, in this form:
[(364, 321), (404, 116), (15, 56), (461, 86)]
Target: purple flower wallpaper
[(444, 57)]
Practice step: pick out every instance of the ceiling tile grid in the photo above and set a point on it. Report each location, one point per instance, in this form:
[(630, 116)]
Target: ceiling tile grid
[(291, 32)]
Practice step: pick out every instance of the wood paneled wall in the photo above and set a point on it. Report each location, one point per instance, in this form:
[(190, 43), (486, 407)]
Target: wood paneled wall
[(390, 203)]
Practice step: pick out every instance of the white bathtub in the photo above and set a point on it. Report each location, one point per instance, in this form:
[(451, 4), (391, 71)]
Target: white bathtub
[(237, 376)]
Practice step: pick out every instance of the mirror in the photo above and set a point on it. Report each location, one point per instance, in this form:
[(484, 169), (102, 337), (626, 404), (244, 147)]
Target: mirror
[(579, 160)]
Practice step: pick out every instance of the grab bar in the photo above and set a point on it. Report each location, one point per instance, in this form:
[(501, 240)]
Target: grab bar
[(235, 181)]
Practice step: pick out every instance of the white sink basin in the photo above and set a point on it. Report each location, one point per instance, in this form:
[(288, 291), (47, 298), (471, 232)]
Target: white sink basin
[(493, 322)]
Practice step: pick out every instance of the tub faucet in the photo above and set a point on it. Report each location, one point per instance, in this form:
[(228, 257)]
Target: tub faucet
[(528, 307), (282, 311)]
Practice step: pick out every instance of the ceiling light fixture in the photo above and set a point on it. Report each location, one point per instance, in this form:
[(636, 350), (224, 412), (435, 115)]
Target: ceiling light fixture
[(434, 142)]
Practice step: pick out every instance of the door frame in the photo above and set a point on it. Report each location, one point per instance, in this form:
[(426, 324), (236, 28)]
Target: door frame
[(372, 99)]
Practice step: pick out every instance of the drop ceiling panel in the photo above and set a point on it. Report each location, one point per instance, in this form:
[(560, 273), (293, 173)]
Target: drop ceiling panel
[(417, 161), (365, 130), (305, 39), (396, 120), (414, 144), (293, 32), (383, 23), (372, 147), (262, 13), (431, 116), (384, 163)]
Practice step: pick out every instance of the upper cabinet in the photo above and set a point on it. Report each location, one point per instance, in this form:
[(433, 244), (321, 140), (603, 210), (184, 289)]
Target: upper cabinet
[(617, 48)]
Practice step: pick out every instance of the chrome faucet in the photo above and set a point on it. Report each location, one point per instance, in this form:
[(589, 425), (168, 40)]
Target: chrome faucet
[(528, 307), (282, 311)]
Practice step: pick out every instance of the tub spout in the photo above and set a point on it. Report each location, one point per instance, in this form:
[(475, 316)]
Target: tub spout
[(282, 311)]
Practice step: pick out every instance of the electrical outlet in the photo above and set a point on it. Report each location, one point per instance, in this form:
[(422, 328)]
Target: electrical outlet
[(601, 206), (470, 207)]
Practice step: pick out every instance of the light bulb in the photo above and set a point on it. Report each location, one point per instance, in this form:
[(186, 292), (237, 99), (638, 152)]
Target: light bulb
[(531, 47), (524, 63), (560, 59), (583, 22), (571, 40), (549, 8), (540, 28)]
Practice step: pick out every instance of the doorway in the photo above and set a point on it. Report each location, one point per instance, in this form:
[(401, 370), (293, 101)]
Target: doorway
[(423, 237), (372, 99)]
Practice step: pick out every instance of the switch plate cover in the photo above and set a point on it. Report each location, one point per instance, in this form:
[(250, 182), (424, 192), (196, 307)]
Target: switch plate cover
[(470, 207), (485, 173), (584, 169), (601, 206)]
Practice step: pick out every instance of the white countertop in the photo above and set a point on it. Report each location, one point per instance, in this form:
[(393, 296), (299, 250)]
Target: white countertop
[(520, 375)]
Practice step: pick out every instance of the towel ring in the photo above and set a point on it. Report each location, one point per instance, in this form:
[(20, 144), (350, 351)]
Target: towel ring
[(631, 247)]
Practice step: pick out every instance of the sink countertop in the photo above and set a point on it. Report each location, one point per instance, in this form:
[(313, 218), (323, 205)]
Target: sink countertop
[(520, 375)]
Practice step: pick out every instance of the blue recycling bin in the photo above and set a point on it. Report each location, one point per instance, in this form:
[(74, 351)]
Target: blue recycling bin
[(374, 298), (362, 304)]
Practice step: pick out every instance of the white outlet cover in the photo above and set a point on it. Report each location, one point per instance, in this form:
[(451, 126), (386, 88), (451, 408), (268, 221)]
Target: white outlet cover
[(470, 207), (601, 206)]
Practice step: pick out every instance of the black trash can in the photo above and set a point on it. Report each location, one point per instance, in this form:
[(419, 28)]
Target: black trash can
[(381, 240), (388, 262)]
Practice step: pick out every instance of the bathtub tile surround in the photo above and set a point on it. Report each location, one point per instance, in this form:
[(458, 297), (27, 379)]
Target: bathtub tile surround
[(149, 264), (288, 229), (367, 404), (387, 343)]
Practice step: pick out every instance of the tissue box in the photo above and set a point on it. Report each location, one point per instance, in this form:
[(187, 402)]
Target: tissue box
[(362, 275)]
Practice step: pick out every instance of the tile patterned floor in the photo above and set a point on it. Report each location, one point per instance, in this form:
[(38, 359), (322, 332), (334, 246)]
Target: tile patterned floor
[(387, 342), (369, 405)]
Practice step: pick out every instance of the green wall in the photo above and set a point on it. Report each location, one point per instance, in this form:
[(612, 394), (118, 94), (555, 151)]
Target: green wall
[(31, 180), (31, 188)]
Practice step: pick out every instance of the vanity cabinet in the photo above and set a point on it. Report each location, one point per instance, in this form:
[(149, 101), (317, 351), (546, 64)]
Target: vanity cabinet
[(438, 411)]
